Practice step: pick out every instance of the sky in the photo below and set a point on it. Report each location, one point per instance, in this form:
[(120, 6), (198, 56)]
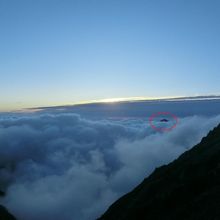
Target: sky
[(56, 52)]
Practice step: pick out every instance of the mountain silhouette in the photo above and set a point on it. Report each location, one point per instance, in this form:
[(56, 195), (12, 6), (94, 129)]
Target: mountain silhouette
[(186, 189), (164, 120), (5, 215)]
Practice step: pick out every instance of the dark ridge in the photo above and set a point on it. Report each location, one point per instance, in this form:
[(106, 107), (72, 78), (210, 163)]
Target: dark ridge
[(5, 215), (186, 189), (164, 120), (2, 193)]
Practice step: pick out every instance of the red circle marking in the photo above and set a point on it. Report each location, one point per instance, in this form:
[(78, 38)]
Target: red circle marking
[(163, 129)]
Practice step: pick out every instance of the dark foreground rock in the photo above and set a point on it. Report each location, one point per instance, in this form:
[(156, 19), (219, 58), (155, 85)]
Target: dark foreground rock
[(186, 189), (5, 215)]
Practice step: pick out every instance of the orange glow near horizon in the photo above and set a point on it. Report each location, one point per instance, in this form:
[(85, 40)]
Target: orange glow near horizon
[(32, 107)]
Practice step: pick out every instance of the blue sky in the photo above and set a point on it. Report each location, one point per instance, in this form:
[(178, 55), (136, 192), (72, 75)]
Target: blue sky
[(60, 52)]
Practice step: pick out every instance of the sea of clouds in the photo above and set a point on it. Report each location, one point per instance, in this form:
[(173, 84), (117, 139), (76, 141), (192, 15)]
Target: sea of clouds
[(63, 166)]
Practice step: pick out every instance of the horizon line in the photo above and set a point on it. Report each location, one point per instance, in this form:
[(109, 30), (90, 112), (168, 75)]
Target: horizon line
[(117, 100)]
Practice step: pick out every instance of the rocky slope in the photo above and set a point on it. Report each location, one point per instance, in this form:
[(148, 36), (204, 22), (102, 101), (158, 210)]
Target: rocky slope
[(186, 189), (5, 215)]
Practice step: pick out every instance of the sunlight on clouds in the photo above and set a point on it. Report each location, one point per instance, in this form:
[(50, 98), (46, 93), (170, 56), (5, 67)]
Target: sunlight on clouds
[(128, 99)]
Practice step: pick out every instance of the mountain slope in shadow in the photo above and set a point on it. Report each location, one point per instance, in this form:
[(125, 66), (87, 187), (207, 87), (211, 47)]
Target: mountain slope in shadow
[(5, 215), (186, 189)]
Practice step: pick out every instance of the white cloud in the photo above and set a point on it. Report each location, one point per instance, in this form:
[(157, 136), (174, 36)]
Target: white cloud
[(66, 167)]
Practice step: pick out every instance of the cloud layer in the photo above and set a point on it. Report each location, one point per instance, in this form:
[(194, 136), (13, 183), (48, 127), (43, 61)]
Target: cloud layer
[(62, 166)]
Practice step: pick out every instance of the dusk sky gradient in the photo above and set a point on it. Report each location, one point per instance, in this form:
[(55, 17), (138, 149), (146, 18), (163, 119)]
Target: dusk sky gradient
[(60, 52)]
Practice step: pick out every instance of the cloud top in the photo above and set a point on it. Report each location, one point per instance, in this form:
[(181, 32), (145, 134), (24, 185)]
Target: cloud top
[(62, 166)]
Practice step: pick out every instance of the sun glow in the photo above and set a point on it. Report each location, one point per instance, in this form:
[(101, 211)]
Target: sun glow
[(115, 100), (33, 107), (109, 100)]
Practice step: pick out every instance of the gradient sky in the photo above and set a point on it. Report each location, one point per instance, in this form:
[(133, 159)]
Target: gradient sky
[(59, 52)]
